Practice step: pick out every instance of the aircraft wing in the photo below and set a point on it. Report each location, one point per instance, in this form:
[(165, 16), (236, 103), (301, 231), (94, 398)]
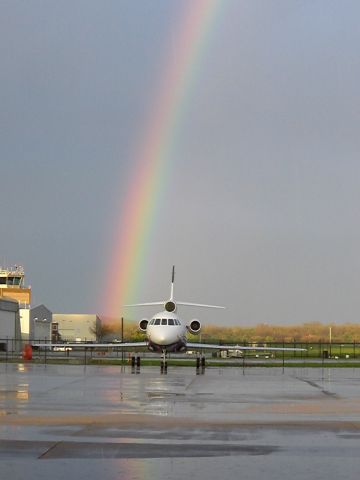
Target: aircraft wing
[(203, 346), (93, 345)]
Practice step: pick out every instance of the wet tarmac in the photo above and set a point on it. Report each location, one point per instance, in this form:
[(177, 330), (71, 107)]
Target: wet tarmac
[(64, 421)]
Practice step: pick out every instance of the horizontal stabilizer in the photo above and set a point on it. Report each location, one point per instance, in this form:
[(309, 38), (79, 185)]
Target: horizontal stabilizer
[(144, 304), (198, 305)]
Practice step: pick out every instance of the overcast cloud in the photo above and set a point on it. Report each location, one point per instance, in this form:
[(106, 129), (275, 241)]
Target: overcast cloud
[(261, 213)]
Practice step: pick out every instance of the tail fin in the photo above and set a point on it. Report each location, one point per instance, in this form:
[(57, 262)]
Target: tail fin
[(172, 283), (170, 305)]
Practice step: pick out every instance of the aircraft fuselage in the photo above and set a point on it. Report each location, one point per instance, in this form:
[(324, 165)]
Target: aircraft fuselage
[(166, 332)]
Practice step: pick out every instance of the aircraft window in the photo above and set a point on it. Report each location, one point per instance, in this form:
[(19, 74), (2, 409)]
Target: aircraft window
[(157, 321), (152, 321), (163, 321), (171, 321), (176, 321)]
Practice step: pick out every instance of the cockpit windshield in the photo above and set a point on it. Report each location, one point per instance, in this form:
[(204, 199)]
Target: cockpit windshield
[(164, 321)]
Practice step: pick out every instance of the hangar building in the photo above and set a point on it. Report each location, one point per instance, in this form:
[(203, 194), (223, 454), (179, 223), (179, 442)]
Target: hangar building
[(9, 325), (72, 327)]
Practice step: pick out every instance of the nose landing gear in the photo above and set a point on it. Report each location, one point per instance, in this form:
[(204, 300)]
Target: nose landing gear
[(163, 362)]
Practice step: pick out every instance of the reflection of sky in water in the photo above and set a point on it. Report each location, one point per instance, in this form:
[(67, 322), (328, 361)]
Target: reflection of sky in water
[(241, 467), (221, 394), (22, 394), (21, 367), (15, 396), (151, 397), (272, 467), (17, 392)]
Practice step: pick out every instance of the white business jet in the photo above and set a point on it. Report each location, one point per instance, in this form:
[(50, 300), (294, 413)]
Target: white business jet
[(166, 332)]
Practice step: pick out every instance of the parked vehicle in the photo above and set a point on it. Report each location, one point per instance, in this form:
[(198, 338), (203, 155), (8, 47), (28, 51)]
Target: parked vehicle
[(62, 349)]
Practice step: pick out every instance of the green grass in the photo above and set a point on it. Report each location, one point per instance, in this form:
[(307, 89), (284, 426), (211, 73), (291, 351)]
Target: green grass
[(187, 362)]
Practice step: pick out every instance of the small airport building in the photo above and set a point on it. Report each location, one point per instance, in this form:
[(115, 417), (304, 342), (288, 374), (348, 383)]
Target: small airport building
[(9, 325), (40, 324)]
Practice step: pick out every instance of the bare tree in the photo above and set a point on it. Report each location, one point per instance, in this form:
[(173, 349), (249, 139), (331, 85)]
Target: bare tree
[(100, 330)]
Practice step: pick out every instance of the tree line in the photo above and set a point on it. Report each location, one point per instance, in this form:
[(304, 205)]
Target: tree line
[(307, 332)]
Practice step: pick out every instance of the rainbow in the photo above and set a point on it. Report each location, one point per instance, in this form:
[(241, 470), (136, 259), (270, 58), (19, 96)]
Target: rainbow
[(152, 160)]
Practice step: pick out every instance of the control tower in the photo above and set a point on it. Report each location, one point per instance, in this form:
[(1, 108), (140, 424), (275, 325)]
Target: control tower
[(12, 287)]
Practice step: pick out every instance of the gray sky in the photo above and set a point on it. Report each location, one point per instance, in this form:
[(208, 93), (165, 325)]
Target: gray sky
[(261, 213)]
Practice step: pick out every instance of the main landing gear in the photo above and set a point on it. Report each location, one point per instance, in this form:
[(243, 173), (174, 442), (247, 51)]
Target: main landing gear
[(135, 361), (200, 364), (135, 364)]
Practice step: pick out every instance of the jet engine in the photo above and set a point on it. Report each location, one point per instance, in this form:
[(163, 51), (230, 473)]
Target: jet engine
[(170, 306), (194, 327), (143, 324)]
